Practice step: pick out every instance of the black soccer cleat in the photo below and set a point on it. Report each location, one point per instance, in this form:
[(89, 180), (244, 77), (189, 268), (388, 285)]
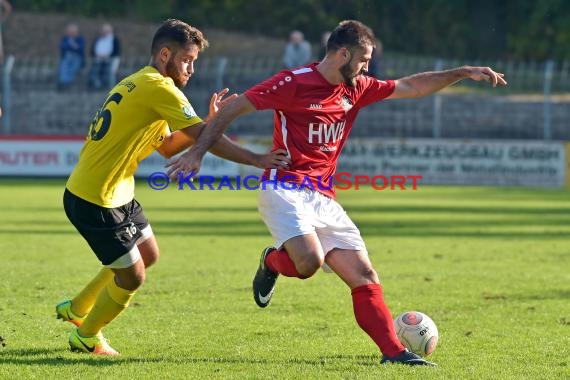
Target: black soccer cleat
[(406, 357), (264, 281)]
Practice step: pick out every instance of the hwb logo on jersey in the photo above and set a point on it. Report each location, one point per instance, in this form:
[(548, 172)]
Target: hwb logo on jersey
[(326, 133)]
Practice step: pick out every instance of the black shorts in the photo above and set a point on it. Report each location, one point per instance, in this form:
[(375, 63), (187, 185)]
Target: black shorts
[(110, 232)]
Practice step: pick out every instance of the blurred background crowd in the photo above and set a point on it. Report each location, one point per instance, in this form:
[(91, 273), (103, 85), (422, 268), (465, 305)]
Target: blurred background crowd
[(60, 56)]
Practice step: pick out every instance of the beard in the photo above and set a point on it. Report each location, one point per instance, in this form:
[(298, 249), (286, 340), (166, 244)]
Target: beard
[(173, 73), (348, 75)]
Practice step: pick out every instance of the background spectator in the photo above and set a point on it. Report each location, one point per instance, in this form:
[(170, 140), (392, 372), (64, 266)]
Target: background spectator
[(297, 51), (72, 56), (105, 54), (5, 11)]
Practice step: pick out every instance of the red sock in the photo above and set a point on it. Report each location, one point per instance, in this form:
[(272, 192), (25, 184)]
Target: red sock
[(375, 319), (280, 262)]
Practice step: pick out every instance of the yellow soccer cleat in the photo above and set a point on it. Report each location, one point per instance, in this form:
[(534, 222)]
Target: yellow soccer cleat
[(63, 312), (95, 344)]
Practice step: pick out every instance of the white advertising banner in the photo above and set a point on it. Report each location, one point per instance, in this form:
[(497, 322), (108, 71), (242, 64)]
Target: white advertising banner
[(461, 162), (56, 156), (464, 162)]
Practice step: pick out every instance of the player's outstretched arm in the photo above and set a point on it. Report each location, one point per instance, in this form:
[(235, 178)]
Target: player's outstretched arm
[(422, 84), (225, 148), (230, 150), (191, 161), (178, 141)]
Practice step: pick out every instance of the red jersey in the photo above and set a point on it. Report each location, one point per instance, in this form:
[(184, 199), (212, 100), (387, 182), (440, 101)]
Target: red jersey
[(312, 120)]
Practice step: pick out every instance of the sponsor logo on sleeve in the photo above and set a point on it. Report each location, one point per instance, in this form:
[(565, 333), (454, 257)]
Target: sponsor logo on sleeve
[(188, 111)]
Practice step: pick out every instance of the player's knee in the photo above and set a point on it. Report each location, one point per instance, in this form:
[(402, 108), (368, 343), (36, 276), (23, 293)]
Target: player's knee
[(131, 280), (149, 251), (140, 278), (309, 265), (150, 258), (369, 275), (137, 280)]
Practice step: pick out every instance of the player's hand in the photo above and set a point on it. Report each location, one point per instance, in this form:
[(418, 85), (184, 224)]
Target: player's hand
[(278, 159), (217, 101), (185, 164), (487, 74)]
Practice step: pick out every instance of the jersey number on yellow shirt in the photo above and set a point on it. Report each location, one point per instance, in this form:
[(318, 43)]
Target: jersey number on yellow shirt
[(103, 115)]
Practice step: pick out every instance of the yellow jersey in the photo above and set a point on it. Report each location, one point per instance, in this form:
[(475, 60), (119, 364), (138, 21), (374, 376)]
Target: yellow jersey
[(133, 121)]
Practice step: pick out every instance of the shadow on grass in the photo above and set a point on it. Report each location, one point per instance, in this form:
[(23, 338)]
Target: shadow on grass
[(382, 220), (57, 358), (553, 294), (42, 356), (485, 210), (379, 209), (240, 230), (352, 209), (35, 232)]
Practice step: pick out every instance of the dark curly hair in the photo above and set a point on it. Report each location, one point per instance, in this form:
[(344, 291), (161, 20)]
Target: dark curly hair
[(351, 34), (175, 34)]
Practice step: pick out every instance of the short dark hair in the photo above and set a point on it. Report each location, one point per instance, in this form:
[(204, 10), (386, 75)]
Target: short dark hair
[(351, 34), (175, 34)]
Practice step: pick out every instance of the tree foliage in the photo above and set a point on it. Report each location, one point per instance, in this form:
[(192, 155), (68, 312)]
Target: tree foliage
[(521, 29)]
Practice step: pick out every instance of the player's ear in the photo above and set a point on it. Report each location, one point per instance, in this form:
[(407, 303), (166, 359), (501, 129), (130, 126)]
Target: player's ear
[(164, 54), (345, 54)]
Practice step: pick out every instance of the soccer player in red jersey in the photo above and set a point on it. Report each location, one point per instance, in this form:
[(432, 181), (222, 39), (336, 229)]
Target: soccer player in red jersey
[(315, 108)]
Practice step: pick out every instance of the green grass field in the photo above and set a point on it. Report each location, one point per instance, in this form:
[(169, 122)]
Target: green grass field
[(491, 266)]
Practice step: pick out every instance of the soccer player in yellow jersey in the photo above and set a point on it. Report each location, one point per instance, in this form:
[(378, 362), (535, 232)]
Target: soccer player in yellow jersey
[(144, 112)]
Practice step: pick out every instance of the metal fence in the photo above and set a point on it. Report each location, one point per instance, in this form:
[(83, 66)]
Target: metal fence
[(535, 104)]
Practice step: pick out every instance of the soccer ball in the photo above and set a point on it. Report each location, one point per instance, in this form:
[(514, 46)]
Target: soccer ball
[(417, 332)]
